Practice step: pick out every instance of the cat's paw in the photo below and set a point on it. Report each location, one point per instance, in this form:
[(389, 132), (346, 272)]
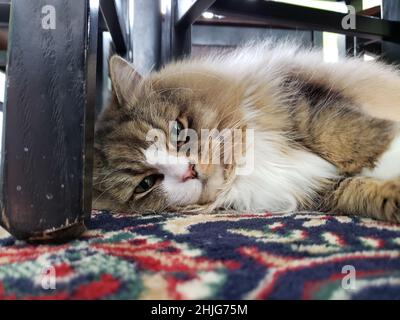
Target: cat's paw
[(390, 206)]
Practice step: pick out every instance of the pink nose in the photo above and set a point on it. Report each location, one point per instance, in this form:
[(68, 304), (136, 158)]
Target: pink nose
[(190, 173)]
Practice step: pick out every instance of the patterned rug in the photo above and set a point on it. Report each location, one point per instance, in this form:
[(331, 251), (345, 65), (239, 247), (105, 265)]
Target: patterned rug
[(220, 256)]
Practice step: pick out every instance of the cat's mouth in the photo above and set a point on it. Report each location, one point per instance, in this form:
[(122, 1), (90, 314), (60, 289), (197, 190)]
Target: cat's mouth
[(190, 173)]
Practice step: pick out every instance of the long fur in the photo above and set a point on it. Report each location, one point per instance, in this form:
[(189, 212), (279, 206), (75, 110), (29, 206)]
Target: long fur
[(316, 125)]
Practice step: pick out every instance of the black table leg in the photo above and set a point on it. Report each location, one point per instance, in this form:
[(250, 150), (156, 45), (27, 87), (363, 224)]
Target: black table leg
[(49, 114)]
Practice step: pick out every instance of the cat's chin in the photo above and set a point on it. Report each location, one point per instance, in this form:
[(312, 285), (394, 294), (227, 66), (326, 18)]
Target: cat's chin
[(201, 191), (212, 186), (183, 193)]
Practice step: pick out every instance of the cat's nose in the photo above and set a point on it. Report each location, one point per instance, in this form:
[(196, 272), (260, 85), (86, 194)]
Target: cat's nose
[(190, 173)]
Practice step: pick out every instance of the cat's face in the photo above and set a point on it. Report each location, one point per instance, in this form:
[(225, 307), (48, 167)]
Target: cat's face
[(131, 172)]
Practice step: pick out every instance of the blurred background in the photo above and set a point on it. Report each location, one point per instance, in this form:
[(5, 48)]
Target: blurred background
[(212, 30)]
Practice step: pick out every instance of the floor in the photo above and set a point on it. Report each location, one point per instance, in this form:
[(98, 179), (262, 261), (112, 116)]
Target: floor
[(303, 255)]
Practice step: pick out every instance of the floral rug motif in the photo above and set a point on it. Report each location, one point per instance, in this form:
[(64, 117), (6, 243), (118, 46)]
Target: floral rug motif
[(303, 255)]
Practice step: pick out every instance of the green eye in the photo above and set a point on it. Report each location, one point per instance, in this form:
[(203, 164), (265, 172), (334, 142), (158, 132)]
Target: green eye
[(176, 130), (147, 183)]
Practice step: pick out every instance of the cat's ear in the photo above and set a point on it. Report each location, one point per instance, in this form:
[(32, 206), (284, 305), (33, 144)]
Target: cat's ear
[(124, 79)]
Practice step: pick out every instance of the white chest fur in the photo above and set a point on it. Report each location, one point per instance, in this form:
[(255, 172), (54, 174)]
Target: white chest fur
[(388, 165), (279, 180)]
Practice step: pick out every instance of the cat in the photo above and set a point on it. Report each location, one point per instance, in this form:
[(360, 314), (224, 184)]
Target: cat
[(324, 136)]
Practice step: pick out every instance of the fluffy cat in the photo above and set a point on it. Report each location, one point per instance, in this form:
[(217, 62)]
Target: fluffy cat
[(324, 136)]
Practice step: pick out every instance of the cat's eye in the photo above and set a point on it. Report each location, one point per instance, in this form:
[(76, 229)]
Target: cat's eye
[(175, 132), (147, 183)]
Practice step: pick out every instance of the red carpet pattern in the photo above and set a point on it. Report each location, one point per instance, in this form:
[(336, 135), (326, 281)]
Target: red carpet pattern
[(302, 255)]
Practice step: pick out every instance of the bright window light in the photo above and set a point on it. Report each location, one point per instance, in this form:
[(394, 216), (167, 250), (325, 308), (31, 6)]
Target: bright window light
[(2, 86), (330, 47), (366, 4), (368, 57), (208, 15), (325, 5), (131, 13), (164, 6)]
